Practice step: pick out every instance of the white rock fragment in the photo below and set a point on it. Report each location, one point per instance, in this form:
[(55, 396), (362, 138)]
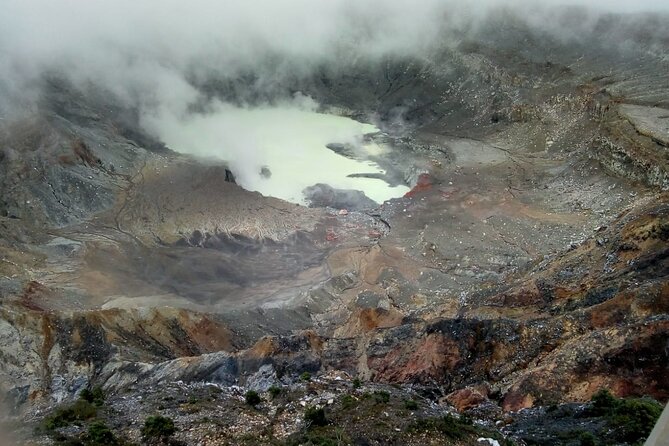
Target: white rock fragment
[(488, 441)]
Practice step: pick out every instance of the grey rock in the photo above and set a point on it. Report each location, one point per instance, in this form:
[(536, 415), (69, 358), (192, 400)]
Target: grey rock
[(323, 195), (263, 379), (649, 121)]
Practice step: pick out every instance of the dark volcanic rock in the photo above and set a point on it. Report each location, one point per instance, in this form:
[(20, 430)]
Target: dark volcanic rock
[(345, 150), (322, 195)]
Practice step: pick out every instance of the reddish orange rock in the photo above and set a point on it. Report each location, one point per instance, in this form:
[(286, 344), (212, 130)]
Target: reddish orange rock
[(423, 184), (516, 400), (426, 361), (465, 399)]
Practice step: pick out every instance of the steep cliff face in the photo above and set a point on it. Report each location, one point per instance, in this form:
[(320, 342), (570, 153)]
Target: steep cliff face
[(635, 143), (51, 355)]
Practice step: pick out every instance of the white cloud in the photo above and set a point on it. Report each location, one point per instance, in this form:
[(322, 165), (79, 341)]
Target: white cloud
[(149, 51)]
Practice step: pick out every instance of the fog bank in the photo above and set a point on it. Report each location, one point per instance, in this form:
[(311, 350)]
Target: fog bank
[(150, 53), (154, 56)]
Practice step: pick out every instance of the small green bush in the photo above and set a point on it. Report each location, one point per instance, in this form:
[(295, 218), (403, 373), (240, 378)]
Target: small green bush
[(447, 425), (98, 396), (86, 395), (381, 396), (158, 427), (274, 391), (411, 405), (319, 437), (100, 434), (252, 398), (348, 402), (322, 440), (77, 412), (466, 419), (587, 439), (306, 376), (63, 440), (632, 419), (315, 416), (357, 383), (603, 402)]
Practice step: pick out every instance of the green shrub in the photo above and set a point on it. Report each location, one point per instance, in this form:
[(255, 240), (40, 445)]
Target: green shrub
[(634, 418), (86, 395), (587, 439), (320, 436), (322, 440), (158, 427), (252, 398), (100, 434), (315, 416), (411, 405), (274, 391), (306, 376), (603, 402), (466, 419), (348, 402), (63, 440), (94, 396), (448, 426), (77, 412), (357, 383), (381, 396)]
